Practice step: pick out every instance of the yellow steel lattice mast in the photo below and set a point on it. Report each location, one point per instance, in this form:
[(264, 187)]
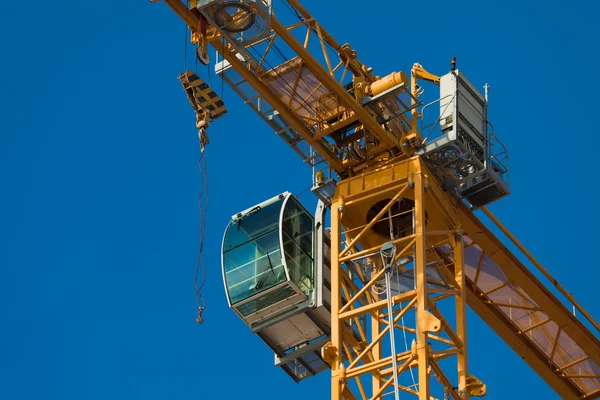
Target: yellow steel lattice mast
[(392, 194)]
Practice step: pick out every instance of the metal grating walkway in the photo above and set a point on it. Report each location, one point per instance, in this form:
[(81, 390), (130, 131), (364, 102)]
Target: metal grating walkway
[(528, 316)]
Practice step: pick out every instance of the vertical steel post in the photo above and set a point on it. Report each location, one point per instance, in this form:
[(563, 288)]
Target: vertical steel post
[(421, 287), (461, 311), (336, 298)]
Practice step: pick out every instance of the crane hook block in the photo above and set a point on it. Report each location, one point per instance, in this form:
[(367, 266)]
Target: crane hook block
[(202, 98)]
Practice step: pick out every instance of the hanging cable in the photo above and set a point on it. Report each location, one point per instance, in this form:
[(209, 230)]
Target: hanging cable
[(388, 284), (200, 277), (292, 9), (415, 288), (388, 254), (203, 209), (185, 49), (302, 19), (392, 236), (304, 191), (222, 74), (207, 71), (406, 348), (396, 272), (185, 44)]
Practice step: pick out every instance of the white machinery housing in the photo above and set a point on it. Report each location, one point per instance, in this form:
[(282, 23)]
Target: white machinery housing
[(466, 157)]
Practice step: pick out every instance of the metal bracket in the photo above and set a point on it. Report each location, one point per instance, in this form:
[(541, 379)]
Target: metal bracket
[(329, 353), (432, 323), (475, 387)]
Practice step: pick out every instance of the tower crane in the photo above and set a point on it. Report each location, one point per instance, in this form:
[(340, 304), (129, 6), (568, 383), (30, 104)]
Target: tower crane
[(379, 297)]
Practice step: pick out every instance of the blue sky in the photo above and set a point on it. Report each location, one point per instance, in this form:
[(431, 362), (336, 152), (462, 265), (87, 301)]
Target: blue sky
[(98, 156)]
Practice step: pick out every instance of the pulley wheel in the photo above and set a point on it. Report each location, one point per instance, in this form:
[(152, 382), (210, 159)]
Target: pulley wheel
[(234, 17)]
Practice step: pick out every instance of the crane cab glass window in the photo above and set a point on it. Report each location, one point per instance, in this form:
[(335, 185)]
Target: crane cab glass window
[(297, 229), (251, 255), (268, 263)]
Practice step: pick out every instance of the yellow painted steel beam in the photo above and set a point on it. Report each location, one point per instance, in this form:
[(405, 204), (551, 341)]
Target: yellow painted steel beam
[(355, 66), (373, 221), (436, 354), (334, 86), (181, 9), (362, 290), (335, 361), (326, 36), (387, 383), (515, 271), (422, 74), (370, 250), (378, 305), (431, 336), (461, 310), (446, 325), (377, 339), (368, 295), (503, 326), (420, 256), (536, 325), (335, 126), (591, 396), (527, 351), (442, 378), (285, 112), (573, 363), (383, 363)]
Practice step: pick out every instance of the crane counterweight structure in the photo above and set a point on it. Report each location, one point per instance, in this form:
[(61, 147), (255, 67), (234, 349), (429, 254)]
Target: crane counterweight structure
[(380, 297)]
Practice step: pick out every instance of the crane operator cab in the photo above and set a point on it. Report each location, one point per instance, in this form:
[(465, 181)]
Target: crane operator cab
[(276, 274)]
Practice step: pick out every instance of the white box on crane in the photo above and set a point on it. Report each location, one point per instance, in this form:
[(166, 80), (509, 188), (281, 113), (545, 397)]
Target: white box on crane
[(466, 156), (470, 117)]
